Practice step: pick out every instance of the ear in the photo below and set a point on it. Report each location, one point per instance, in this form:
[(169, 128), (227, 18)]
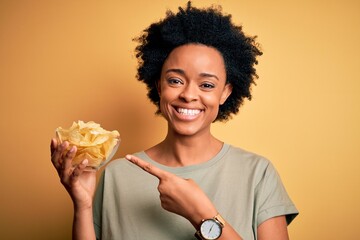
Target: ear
[(226, 93)]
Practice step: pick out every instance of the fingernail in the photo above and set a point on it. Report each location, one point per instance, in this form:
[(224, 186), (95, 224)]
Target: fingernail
[(84, 162), (128, 157), (72, 149)]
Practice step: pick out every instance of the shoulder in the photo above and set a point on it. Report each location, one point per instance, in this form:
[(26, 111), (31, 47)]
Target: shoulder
[(247, 164), (237, 155)]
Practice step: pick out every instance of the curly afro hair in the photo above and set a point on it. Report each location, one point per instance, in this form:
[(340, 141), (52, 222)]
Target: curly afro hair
[(209, 27)]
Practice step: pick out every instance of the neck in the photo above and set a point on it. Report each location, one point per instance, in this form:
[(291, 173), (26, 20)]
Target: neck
[(179, 150)]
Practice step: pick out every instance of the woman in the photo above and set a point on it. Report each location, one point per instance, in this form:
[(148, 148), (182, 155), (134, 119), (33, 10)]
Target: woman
[(198, 67)]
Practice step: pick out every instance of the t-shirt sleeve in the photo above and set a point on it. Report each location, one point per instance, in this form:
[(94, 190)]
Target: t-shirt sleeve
[(97, 206), (272, 199)]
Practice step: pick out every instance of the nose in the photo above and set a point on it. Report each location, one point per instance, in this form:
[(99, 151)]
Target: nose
[(189, 93)]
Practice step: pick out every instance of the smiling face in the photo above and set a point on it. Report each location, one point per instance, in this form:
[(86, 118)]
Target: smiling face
[(192, 86)]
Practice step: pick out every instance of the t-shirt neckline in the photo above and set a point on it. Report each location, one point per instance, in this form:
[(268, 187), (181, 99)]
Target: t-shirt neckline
[(190, 168)]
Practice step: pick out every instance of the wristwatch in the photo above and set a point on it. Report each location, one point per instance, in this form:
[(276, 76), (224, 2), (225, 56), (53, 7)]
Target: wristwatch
[(210, 229)]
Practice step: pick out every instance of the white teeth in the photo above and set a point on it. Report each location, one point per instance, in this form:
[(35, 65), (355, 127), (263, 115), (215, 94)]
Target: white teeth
[(190, 112)]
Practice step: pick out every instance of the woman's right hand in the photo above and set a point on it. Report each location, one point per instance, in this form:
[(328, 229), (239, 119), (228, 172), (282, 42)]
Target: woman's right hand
[(79, 184)]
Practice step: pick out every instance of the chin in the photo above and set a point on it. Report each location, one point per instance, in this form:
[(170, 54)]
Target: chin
[(187, 131)]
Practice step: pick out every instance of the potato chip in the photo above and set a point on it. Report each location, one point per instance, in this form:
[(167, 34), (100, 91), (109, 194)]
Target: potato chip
[(92, 141)]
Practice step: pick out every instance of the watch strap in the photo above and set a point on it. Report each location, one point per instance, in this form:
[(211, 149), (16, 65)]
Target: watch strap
[(198, 235), (220, 219)]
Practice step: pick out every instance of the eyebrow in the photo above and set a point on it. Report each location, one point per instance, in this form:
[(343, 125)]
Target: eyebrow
[(182, 72)]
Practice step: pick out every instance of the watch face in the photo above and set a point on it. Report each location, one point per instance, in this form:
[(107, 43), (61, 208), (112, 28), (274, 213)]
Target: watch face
[(210, 229)]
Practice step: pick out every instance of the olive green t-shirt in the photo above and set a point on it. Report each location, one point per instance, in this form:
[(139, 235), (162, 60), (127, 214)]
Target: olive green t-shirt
[(244, 187)]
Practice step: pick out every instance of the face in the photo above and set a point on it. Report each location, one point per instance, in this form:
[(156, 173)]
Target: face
[(192, 86)]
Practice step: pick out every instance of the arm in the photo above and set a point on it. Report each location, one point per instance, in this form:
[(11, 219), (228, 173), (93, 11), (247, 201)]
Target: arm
[(83, 226), (271, 192), (273, 229), (184, 197), (79, 184)]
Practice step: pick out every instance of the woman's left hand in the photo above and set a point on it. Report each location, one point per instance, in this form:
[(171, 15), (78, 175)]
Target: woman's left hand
[(178, 195)]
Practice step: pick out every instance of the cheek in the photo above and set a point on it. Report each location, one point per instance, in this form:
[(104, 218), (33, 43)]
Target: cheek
[(166, 96), (212, 100), (169, 94)]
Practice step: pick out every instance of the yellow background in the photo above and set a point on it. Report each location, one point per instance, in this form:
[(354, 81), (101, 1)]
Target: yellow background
[(61, 61)]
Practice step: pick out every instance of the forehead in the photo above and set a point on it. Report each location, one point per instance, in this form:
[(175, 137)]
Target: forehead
[(195, 57)]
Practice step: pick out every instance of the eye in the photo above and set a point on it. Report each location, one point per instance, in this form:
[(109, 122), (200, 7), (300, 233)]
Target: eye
[(174, 81), (207, 85)]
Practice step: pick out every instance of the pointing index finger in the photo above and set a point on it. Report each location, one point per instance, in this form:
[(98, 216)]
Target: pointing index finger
[(155, 171)]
